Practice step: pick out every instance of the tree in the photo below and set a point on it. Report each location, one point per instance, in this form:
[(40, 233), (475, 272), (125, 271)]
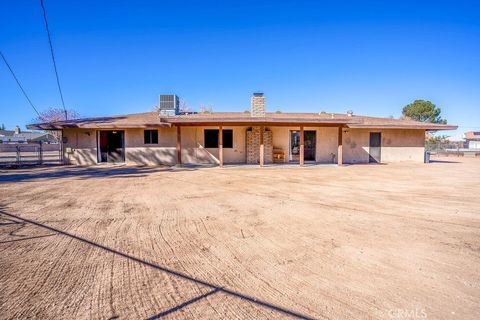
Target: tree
[(184, 107), (206, 108), (424, 111), (53, 114)]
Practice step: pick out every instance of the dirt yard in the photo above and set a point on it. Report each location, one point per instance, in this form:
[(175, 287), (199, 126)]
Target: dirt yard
[(397, 241)]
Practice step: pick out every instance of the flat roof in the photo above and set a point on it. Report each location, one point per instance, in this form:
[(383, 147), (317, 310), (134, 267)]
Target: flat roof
[(154, 120)]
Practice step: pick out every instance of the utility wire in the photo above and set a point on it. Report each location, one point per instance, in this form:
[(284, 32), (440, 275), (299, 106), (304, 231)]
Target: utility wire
[(53, 57), (19, 84)]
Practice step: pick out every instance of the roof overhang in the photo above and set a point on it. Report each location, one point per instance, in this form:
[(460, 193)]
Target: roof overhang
[(260, 121), (60, 126), (425, 126)]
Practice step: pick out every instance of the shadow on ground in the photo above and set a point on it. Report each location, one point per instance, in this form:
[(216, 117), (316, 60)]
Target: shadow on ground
[(85, 172), (214, 288)]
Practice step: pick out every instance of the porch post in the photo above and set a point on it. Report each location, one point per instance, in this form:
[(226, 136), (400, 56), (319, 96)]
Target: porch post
[(302, 147), (340, 146), (220, 145), (262, 148), (179, 146)]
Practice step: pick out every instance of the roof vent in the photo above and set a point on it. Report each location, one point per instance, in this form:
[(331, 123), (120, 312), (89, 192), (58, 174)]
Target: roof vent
[(349, 113)]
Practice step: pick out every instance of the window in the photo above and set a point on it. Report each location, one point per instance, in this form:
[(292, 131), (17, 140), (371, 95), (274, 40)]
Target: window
[(228, 138), (150, 136), (211, 138)]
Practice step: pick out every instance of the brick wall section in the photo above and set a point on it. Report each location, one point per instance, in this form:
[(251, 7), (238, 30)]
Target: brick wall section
[(253, 146), (258, 106)]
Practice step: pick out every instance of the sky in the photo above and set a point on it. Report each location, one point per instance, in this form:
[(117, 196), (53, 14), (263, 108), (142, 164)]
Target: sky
[(116, 57)]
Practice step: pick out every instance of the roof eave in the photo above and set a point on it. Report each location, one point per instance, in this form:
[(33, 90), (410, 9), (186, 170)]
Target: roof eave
[(403, 126), (53, 126)]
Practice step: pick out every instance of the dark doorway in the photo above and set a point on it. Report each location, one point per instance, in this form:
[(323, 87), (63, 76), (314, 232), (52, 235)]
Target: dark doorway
[(375, 151), (111, 146), (309, 147)]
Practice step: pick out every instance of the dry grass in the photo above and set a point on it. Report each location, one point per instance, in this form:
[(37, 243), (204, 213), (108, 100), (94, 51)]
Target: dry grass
[(323, 242)]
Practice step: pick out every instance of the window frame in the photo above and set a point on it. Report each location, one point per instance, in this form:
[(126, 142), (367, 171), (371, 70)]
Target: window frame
[(231, 136), (151, 137), (217, 132)]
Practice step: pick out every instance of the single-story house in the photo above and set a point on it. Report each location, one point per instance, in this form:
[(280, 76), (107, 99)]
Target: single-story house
[(170, 137), (472, 139), (23, 137)]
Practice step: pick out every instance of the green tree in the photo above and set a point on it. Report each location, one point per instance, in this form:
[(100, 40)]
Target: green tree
[(423, 110)]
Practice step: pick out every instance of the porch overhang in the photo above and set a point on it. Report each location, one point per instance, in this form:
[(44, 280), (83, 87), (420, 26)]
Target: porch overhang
[(263, 121)]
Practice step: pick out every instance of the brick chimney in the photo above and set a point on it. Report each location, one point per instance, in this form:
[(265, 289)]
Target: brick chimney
[(258, 105)]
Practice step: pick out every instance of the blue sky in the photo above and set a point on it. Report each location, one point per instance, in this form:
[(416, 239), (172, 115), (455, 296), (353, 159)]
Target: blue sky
[(371, 57)]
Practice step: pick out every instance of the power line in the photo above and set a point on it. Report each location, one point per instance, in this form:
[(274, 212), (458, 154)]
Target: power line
[(53, 57), (19, 84)]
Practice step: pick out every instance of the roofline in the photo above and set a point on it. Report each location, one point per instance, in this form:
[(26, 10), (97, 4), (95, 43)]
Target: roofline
[(206, 120), (60, 126), (426, 126)]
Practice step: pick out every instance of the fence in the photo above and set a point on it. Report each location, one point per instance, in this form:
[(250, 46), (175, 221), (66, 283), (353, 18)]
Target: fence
[(30, 154), (450, 149)]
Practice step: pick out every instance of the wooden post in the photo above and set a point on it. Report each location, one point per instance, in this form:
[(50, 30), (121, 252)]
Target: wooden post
[(262, 148), (220, 145), (179, 146), (340, 146), (302, 147)]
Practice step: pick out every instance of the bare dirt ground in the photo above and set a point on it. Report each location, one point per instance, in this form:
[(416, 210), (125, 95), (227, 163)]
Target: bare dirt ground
[(368, 241)]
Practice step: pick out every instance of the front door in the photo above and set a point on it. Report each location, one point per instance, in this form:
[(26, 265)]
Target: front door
[(375, 151), (111, 146), (309, 149)]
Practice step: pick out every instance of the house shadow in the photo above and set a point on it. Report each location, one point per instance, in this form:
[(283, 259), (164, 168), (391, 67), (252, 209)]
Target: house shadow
[(441, 161), (82, 173)]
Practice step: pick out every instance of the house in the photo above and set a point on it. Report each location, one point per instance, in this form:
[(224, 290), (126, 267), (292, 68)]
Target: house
[(253, 137), (19, 137), (472, 139)]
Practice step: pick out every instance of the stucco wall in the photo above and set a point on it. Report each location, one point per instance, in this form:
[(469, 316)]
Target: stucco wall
[(81, 146), (397, 145), (137, 152), (403, 145), (326, 142), (193, 150)]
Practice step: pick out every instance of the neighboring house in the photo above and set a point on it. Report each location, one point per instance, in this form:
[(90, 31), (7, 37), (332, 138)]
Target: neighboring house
[(169, 137), (18, 137), (472, 139)]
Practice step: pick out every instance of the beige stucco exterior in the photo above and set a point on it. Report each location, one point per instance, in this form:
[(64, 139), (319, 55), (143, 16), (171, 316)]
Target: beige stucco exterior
[(396, 145)]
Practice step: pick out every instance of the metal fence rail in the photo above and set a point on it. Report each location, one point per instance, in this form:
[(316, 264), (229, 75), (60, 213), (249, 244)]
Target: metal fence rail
[(30, 154), (450, 149)]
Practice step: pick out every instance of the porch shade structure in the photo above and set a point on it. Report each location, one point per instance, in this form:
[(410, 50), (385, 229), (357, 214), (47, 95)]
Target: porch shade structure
[(340, 147), (302, 146), (220, 145), (179, 145), (262, 147)]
